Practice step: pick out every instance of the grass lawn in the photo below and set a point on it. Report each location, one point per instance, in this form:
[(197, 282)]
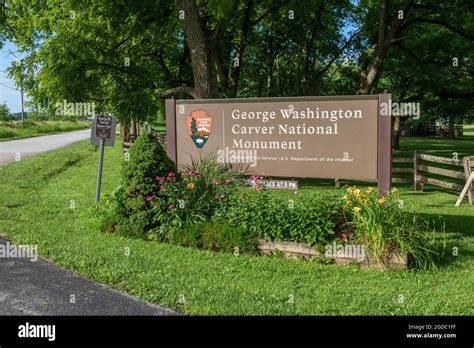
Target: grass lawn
[(19, 129), (469, 130), (48, 200)]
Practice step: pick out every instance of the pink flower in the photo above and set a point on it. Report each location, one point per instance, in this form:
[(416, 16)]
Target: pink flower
[(148, 198), (156, 205), (258, 188), (193, 173), (162, 187), (216, 196), (171, 174), (222, 195), (216, 181), (170, 206)]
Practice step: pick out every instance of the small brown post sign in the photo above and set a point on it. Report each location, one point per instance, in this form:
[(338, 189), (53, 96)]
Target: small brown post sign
[(345, 137), (103, 134), (103, 127)]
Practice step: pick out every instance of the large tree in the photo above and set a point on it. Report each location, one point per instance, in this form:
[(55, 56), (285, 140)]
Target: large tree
[(128, 56)]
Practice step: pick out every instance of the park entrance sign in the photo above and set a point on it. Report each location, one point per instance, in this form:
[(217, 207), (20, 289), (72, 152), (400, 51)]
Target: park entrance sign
[(345, 137)]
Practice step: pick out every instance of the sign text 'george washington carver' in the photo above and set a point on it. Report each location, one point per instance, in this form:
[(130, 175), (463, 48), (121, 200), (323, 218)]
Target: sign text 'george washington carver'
[(322, 137)]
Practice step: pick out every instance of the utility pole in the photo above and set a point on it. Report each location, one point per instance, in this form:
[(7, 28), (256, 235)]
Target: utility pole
[(22, 109), (20, 64)]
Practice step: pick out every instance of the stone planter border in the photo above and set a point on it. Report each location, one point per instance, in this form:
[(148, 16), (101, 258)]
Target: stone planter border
[(305, 251)]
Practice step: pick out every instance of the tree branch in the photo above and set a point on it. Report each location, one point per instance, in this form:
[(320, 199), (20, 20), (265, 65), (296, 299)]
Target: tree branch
[(175, 91), (443, 24)]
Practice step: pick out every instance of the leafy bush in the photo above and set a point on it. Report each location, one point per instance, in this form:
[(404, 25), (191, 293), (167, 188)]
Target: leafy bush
[(203, 188), (228, 238), (211, 236), (385, 227), (5, 113), (6, 133), (304, 218), (39, 116), (147, 161), (7, 117)]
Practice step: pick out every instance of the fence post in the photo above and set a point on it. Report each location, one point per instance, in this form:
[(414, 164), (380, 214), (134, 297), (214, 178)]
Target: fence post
[(417, 184), (384, 156), (467, 173), (171, 130)]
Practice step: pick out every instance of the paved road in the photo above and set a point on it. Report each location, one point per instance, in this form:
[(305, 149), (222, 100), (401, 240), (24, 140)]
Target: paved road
[(41, 288), (31, 146)]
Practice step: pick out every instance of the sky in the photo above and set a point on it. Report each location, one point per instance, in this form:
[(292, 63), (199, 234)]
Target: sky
[(9, 92)]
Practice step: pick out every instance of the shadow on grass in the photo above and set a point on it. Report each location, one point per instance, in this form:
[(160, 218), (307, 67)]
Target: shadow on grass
[(457, 228), (461, 224)]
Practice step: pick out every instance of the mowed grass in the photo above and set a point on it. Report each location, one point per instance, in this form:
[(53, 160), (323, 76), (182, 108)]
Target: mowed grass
[(468, 130), (47, 200), (19, 129)]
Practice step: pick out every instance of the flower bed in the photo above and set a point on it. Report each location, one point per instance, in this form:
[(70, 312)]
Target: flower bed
[(210, 207)]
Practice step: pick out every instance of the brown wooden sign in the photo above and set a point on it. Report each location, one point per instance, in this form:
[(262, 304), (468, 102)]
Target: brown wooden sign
[(103, 127), (345, 137)]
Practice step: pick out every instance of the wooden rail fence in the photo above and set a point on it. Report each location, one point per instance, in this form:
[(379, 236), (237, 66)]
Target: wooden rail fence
[(423, 164)]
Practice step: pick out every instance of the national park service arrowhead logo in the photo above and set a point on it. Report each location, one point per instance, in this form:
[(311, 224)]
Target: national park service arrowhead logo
[(199, 125)]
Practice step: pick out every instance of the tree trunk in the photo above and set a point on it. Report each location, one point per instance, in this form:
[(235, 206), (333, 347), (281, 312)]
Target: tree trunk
[(396, 133), (369, 78), (372, 68), (451, 126), (199, 42), (309, 61), (397, 121), (239, 53)]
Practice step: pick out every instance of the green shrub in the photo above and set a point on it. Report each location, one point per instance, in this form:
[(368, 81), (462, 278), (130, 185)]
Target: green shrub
[(7, 117), (303, 218), (27, 124), (212, 236), (384, 227), (147, 160), (6, 133), (106, 211), (224, 237), (192, 197), (188, 236), (38, 116)]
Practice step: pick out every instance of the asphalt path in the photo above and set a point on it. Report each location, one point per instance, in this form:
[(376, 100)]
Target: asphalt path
[(30, 285), (12, 150)]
